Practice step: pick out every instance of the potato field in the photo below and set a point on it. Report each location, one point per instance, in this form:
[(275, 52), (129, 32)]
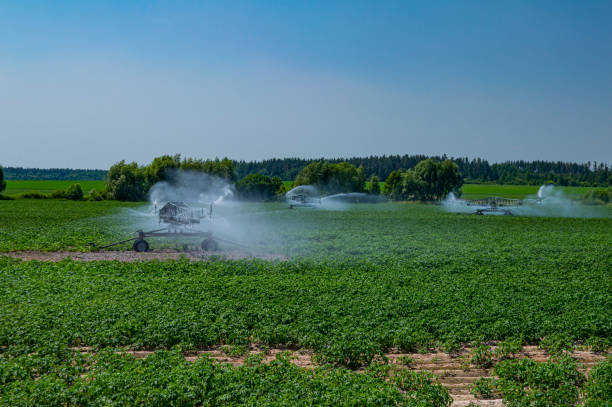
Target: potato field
[(353, 306)]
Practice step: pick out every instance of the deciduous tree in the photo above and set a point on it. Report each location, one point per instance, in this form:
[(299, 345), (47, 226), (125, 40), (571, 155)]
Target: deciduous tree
[(126, 182)]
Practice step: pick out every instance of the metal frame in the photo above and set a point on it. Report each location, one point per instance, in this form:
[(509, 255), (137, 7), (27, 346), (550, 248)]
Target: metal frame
[(506, 212), (494, 201), (165, 232), (176, 229)]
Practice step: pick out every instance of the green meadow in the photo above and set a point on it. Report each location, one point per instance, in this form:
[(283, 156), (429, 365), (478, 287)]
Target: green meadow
[(477, 191), (46, 186), (470, 191)]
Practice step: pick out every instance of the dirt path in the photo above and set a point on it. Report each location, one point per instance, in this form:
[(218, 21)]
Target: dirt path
[(453, 371), (128, 256)]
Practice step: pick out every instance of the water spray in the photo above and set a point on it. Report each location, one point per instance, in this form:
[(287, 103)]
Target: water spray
[(550, 201)]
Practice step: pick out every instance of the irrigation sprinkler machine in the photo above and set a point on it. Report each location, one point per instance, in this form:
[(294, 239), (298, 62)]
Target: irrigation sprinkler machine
[(494, 204), (303, 196), (180, 220)]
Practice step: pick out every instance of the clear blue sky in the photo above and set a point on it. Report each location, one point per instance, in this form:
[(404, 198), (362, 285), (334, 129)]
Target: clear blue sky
[(87, 83)]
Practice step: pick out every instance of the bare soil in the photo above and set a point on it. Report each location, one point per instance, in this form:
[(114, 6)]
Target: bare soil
[(128, 256), (453, 370)]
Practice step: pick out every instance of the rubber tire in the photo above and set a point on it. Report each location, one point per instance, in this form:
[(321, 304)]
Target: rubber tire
[(209, 245), (141, 246)]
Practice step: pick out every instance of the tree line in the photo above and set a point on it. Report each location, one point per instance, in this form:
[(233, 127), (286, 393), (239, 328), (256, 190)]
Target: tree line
[(131, 182), (475, 170), (55, 174), (430, 180), (73, 192)]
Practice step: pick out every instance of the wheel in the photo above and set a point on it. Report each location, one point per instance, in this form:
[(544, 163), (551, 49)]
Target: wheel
[(209, 245), (141, 246)]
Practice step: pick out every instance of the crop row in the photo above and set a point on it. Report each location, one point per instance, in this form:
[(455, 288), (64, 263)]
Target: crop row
[(347, 313), (166, 379), (558, 382), (59, 376)]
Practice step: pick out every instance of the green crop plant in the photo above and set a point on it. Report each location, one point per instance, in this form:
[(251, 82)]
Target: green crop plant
[(422, 386), (165, 378), (235, 351), (483, 388), (557, 344), (509, 348), (598, 389), (405, 360), (523, 382), (481, 356), (598, 344)]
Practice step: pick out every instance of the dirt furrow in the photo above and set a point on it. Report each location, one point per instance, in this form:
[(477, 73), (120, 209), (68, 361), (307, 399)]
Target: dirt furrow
[(131, 256)]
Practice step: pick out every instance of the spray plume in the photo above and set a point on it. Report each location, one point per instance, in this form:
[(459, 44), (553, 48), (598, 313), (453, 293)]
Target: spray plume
[(549, 201), (309, 196)]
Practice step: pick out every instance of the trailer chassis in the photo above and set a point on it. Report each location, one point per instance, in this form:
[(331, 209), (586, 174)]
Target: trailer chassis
[(141, 245)]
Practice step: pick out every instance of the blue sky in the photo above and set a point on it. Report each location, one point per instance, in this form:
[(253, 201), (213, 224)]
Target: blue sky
[(85, 84)]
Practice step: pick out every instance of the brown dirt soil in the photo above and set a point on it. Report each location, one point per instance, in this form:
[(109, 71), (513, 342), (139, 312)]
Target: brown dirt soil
[(128, 256), (453, 370)]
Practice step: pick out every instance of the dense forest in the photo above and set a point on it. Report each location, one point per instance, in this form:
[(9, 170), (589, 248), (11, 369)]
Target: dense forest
[(473, 170), (68, 174)]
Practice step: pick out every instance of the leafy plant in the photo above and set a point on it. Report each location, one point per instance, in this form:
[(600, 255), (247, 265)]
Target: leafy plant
[(509, 348), (525, 382), (481, 356), (451, 346), (483, 388), (235, 351), (405, 360), (557, 344), (421, 386), (598, 344), (598, 389)]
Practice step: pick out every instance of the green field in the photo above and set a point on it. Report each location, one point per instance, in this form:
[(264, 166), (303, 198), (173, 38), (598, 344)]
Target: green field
[(358, 282), (470, 191), (477, 191), (45, 186)]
